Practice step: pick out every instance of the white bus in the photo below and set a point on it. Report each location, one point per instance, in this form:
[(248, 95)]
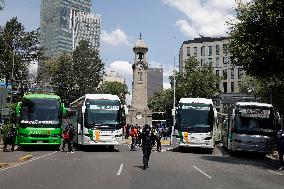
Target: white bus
[(99, 120), (196, 122), (251, 126)]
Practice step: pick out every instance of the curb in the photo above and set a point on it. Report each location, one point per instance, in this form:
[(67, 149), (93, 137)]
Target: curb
[(3, 165), (25, 158)]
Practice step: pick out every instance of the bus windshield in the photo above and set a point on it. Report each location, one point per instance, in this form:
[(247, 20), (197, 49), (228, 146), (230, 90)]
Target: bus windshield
[(38, 111), (195, 117), (102, 112), (254, 121)]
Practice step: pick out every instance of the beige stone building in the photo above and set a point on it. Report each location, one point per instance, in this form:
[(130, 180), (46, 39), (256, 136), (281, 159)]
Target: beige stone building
[(213, 51)]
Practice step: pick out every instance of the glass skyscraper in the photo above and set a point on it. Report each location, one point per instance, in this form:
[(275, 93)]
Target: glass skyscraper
[(56, 25)]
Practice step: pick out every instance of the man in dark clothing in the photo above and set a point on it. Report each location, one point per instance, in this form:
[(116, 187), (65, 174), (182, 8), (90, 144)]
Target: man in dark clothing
[(147, 143), (68, 135), (280, 147), (10, 139)]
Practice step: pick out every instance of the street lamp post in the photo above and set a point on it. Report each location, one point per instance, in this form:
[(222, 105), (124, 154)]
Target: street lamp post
[(174, 102)]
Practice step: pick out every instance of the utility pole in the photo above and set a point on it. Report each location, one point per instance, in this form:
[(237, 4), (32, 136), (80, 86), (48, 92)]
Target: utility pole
[(12, 79)]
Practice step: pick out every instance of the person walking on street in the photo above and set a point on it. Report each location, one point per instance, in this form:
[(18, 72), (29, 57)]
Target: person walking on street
[(68, 135), (147, 144), (134, 135), (10, 139), (157, 139), (280, 147)]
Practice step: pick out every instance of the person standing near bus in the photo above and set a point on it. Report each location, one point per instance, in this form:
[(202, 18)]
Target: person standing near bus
[(68, 135), (280, 147), (10, 139), (147, 143), (134, 135)]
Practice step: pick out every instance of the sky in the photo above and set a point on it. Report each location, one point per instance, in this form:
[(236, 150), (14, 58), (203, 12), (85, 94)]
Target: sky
[(164, 25)]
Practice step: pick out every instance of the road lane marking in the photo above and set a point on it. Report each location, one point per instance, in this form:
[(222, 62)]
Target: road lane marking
[(275, 172), (208, 176), (120, 169), (33, 159)]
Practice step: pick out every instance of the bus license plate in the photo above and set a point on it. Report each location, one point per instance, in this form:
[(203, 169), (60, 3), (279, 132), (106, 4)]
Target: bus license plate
[(40, 141)]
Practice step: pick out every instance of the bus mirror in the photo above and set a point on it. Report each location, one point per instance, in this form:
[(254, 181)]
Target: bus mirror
[(173, 112), (83, 109)]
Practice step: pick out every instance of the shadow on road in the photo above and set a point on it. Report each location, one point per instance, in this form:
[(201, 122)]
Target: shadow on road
[(139, 166), (38, 148), (96, 149), (245, 158), (192, 150)]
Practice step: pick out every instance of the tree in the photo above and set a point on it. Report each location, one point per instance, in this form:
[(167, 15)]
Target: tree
[(115, 88), (256, 43), (17, 49), (196, 81), (62, 77), (256, 40), (88, 69), (161, 101)]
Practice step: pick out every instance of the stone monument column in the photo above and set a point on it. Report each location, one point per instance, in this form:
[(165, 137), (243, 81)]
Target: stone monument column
[(139, 113)]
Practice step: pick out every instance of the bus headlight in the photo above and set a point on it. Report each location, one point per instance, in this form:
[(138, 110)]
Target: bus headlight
[(23, 135), (55, 135), (208, 138)]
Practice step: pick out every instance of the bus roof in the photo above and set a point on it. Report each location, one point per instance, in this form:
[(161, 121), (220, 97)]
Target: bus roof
[(50, 96), (196, 100), (102, 96), (253, 104)]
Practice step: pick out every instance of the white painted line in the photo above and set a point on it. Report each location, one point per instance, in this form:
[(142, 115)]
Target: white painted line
[(208, 176), (275, 172), (120, 169), (18, 164)]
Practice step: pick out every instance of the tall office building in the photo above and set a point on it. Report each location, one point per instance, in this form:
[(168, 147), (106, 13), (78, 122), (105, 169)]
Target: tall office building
[(63, 23), (155, 81), (214, 52)]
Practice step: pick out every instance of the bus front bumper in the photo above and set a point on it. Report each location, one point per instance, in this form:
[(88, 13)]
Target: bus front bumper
[(197, 144), (252, 147)]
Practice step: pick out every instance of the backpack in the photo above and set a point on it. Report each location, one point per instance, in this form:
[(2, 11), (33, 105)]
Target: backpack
[(11, 134)]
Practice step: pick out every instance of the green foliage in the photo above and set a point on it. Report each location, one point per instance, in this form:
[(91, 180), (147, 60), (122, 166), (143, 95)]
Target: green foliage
[(196, 81), (256, 40), (256, 43), (88, 69), (115, 88), (19, 47), (76, 74), (193, 82), (161, 101)]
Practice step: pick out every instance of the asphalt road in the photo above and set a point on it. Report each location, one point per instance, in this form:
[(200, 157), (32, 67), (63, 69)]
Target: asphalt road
[(122, 169)]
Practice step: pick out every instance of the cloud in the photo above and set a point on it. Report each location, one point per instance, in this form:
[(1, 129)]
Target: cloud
[(115, 38), (166, 85), (204, 17)]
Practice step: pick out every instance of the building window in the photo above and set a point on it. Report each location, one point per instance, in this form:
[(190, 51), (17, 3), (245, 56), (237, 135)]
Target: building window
[(217, 49), (203, 51), (217, 73), (225, 75), (225, 60), (140, 77), (225, 87), (218, 86), (188, 51), (240, 73), (195, 51), (225, 49), (210, 51), (232, 87), (210, 62), (202, 62), (217, 61), (232, 73)]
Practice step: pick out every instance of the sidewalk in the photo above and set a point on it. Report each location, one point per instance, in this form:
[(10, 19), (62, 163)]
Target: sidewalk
[(9, 157)]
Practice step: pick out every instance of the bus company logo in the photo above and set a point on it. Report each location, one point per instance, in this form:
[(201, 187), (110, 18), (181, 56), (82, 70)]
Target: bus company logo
[(35, 132)]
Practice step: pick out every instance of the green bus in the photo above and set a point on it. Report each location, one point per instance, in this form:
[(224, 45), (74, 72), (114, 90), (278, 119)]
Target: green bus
[(39, 120)]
